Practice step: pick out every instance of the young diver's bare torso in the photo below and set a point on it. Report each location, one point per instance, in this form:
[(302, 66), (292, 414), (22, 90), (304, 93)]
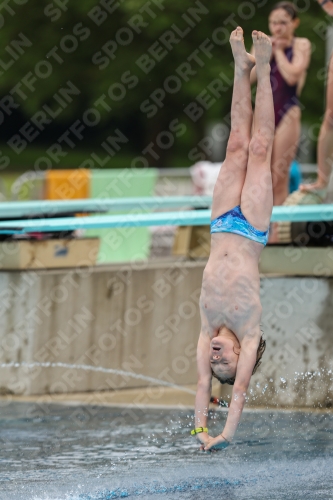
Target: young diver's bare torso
[(230, 295)]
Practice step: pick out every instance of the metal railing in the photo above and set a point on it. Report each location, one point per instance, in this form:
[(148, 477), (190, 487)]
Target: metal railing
[(295, 213)]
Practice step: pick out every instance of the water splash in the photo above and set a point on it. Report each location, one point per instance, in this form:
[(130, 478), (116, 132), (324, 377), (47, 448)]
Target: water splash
[(90, 368), (113, 371)]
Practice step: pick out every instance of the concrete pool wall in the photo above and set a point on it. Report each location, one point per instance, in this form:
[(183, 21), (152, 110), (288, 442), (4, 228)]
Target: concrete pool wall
[(144, 318)]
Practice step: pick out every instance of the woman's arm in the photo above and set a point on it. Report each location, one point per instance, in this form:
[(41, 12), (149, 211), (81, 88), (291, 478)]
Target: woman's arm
[(327, 5), (292, 71)]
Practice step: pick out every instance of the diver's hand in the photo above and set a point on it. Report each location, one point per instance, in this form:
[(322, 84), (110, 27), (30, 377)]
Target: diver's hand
[(217, 443), (203, 439)]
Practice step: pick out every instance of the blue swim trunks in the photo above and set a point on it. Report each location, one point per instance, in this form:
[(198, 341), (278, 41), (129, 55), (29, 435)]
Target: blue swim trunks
[(234, 221)]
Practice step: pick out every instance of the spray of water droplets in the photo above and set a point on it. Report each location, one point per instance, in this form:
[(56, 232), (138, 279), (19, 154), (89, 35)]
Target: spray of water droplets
[(90, 368)]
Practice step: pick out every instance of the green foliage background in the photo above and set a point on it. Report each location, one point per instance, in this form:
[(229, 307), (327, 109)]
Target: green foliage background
[(45, 33)]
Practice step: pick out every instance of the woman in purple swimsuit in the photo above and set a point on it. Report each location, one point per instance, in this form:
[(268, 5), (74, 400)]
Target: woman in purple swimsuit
[(325, 139), (289, 62)]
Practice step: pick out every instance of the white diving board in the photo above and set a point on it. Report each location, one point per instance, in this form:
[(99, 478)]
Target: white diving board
[(298, 213)]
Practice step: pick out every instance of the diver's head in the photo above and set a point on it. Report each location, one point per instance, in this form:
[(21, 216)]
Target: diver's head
[(283, 20), (224, 354)]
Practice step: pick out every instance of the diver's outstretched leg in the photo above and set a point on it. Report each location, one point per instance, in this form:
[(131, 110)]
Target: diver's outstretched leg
[(229, 185), (257, 194)]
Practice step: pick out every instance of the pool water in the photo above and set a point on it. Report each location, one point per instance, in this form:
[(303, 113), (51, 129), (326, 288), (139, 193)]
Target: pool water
[(60, 452)]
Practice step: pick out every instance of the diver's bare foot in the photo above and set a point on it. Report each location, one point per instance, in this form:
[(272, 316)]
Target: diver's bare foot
[(263, 50), (243, 60)]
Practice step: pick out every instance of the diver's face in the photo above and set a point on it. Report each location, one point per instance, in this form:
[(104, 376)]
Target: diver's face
[(281, 25), (223, 357)]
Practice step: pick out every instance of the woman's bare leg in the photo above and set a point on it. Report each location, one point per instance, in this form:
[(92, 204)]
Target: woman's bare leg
[(285, 145), (325, 140), (257, 195), (228, 187)]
